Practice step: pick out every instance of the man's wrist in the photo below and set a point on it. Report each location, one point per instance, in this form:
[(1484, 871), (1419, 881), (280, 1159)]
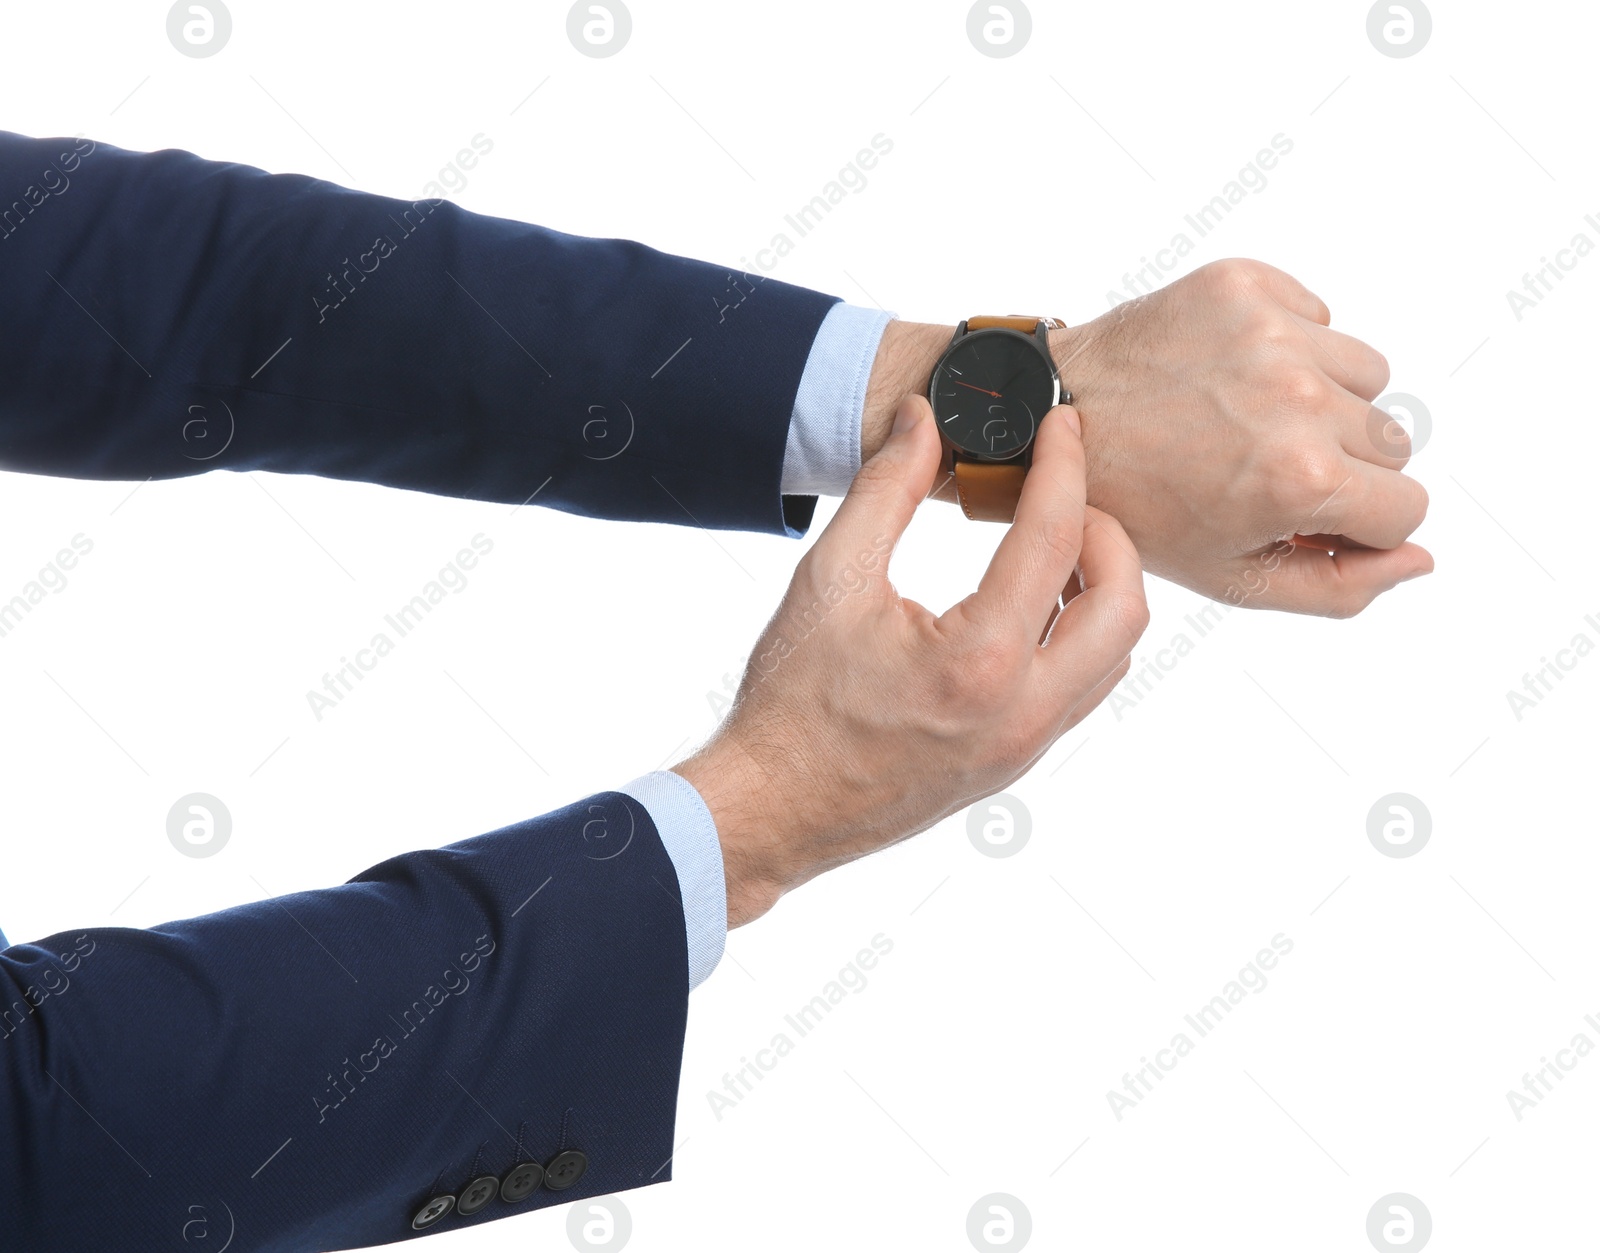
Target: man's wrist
[(727, 779), (907, 353)]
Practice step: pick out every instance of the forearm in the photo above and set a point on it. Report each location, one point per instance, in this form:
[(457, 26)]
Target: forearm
[(165, 315), (531, 979)]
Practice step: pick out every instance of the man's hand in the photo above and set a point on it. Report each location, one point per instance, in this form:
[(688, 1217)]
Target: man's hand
[(1221, 415), (863, 718)]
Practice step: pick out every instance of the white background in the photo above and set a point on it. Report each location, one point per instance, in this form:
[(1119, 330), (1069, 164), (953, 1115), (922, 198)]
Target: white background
[(1222, 809)]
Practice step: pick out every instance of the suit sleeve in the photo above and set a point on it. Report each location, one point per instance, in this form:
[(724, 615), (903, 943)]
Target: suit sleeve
[(311, 1071), (163, 315)]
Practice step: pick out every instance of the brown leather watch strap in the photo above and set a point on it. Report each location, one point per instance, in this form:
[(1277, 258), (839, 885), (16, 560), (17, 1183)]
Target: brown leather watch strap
[(989, 491), (1014, 322)]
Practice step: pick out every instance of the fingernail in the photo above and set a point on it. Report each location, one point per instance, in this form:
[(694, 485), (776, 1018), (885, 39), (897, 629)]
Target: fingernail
[(1071, 415), (905, 416), (1415, 574)]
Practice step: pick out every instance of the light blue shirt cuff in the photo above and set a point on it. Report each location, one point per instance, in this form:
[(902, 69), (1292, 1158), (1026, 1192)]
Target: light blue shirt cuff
[(690, 836), (823, 451)]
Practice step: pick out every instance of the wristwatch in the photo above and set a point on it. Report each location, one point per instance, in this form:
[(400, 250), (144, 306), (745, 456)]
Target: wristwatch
[(989, 392)]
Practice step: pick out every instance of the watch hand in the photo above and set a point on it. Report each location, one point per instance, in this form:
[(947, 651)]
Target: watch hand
[(984, 390), (1016, 376)]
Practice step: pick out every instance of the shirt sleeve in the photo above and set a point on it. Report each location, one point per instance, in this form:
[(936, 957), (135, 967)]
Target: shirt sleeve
[(690, 837), (823, 450)]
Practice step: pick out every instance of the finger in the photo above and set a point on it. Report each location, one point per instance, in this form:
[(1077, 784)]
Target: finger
[(1037, 554), (1102, 623), (1373, 506), (888, 488), (1353, 365), (1376, 435), (1288, 291), (1336, 585), (1090, 702), (1365, 432), (1095, 698)]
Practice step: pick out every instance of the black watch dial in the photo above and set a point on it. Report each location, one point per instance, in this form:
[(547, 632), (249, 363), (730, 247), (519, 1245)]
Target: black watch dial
[(990, 390)]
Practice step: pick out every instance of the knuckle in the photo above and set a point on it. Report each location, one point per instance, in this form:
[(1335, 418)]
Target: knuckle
[(1268, 336), (1414, 511), (1380, 368), (1060, 541), (1232, 278), (1310, 478), (1299, 388), (1390, 437), (1128, 610), (977, 680), (989, 667), (1421, 508)]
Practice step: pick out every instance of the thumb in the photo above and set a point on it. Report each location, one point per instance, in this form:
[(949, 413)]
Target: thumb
[(888, 488)]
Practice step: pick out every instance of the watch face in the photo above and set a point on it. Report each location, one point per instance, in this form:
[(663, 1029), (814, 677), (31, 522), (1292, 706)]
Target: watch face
[(990, 390)]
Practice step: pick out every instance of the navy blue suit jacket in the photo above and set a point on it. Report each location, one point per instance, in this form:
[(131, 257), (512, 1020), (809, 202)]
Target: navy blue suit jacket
[(310, 1071)]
